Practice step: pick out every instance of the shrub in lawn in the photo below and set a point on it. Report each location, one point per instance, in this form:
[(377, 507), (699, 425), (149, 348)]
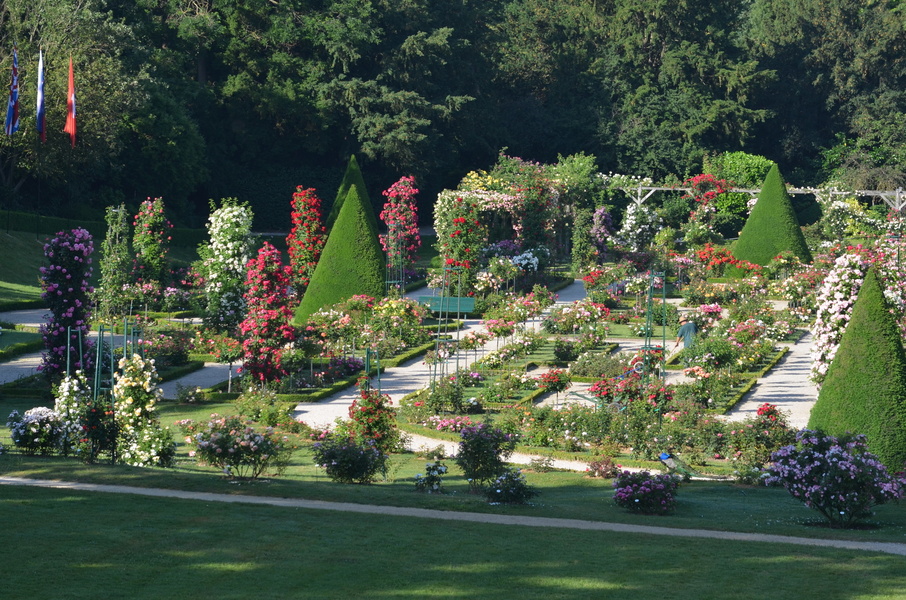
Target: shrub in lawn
[(372, 419), (168, 347), (135, 395), (772, 226), (865, 387), (88, 422), (231, 444), (604, 467), (446, 396), (510, 487), (259, 403), (349, 461), (645, 493), (432, 481), (838, 477), (751, 443), (39, 431), (482, 452)]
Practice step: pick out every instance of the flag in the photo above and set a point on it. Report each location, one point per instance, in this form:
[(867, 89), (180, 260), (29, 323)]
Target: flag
[(12, 107), (42, 130), (70, 107)]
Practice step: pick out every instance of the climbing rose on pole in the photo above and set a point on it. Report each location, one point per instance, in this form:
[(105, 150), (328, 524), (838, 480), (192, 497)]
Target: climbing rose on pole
[(151, 240), (267, 325), (66, 291), (400, 214), (307, 238)]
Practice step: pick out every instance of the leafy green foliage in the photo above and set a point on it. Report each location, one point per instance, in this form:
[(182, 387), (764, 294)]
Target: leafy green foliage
[(351, 263), (772, 226), (115, 264), (865, 387)]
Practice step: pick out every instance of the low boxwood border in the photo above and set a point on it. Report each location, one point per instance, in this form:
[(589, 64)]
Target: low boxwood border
[(15, 350), (752, 381)]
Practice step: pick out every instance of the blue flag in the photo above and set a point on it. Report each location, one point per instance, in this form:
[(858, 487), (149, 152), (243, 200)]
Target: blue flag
[(12, 107)]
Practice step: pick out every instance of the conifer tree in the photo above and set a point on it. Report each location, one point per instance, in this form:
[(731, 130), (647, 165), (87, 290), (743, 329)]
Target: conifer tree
[(352, 261), (865, 388), (352, 178), (772, 226)]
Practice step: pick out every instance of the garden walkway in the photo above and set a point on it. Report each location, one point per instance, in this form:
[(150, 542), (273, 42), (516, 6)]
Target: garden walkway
[(26, 364), (495, 519), (786, 385)]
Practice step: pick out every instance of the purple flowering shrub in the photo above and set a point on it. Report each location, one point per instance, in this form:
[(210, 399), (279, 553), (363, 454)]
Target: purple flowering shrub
[(65, 289), (838, 477), (349, 461), (483, 451), (645, 493)]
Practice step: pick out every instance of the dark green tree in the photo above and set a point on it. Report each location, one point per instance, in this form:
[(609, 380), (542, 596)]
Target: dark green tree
[(352, 261), (865, 388), (352, 178), (772, 226)]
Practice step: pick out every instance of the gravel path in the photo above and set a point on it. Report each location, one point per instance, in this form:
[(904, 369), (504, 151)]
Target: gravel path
[(786, 385), (422, 513)]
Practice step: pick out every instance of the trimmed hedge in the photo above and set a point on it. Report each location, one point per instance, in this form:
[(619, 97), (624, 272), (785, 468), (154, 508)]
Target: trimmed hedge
[(772, 227), (865, 388), (352, 261), (352, 178)]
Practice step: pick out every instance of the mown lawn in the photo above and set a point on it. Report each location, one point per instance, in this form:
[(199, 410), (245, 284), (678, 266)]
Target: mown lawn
[(74, 544), (68, 544)]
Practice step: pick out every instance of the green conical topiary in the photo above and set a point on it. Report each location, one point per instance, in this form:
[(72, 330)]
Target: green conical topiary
[(772, 227), (351, 263), (351, 179), (865, 387)]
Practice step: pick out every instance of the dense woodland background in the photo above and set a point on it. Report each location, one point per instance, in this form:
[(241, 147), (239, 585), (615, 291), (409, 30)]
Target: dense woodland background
[(198, 99)]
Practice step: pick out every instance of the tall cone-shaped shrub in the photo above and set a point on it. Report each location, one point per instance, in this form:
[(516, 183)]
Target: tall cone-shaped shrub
[(351, 263), (772, 226), (351, 179), (865, 388)]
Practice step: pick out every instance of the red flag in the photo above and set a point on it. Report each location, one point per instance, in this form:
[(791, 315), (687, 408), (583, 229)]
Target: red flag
[(70, 107)]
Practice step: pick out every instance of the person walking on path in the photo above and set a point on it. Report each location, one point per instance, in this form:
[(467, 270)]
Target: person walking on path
[(686, 333)]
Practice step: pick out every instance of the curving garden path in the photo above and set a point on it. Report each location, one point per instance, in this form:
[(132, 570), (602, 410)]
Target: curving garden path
[(497, 519)]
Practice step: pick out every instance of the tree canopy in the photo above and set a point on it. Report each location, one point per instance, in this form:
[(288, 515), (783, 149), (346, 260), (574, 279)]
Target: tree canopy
[(192, 100)]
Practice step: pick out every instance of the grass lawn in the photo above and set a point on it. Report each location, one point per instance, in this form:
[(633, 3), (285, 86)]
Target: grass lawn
[(11, 293), (10, 337), (71, 544)]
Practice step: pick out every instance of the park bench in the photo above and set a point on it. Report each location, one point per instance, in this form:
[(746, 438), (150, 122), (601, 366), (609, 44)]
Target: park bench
[(448, 305)]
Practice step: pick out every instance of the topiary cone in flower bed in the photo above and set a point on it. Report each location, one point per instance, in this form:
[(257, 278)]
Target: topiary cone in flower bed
[(865, 388), (772, 227), (351, 263), (352, 178)]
